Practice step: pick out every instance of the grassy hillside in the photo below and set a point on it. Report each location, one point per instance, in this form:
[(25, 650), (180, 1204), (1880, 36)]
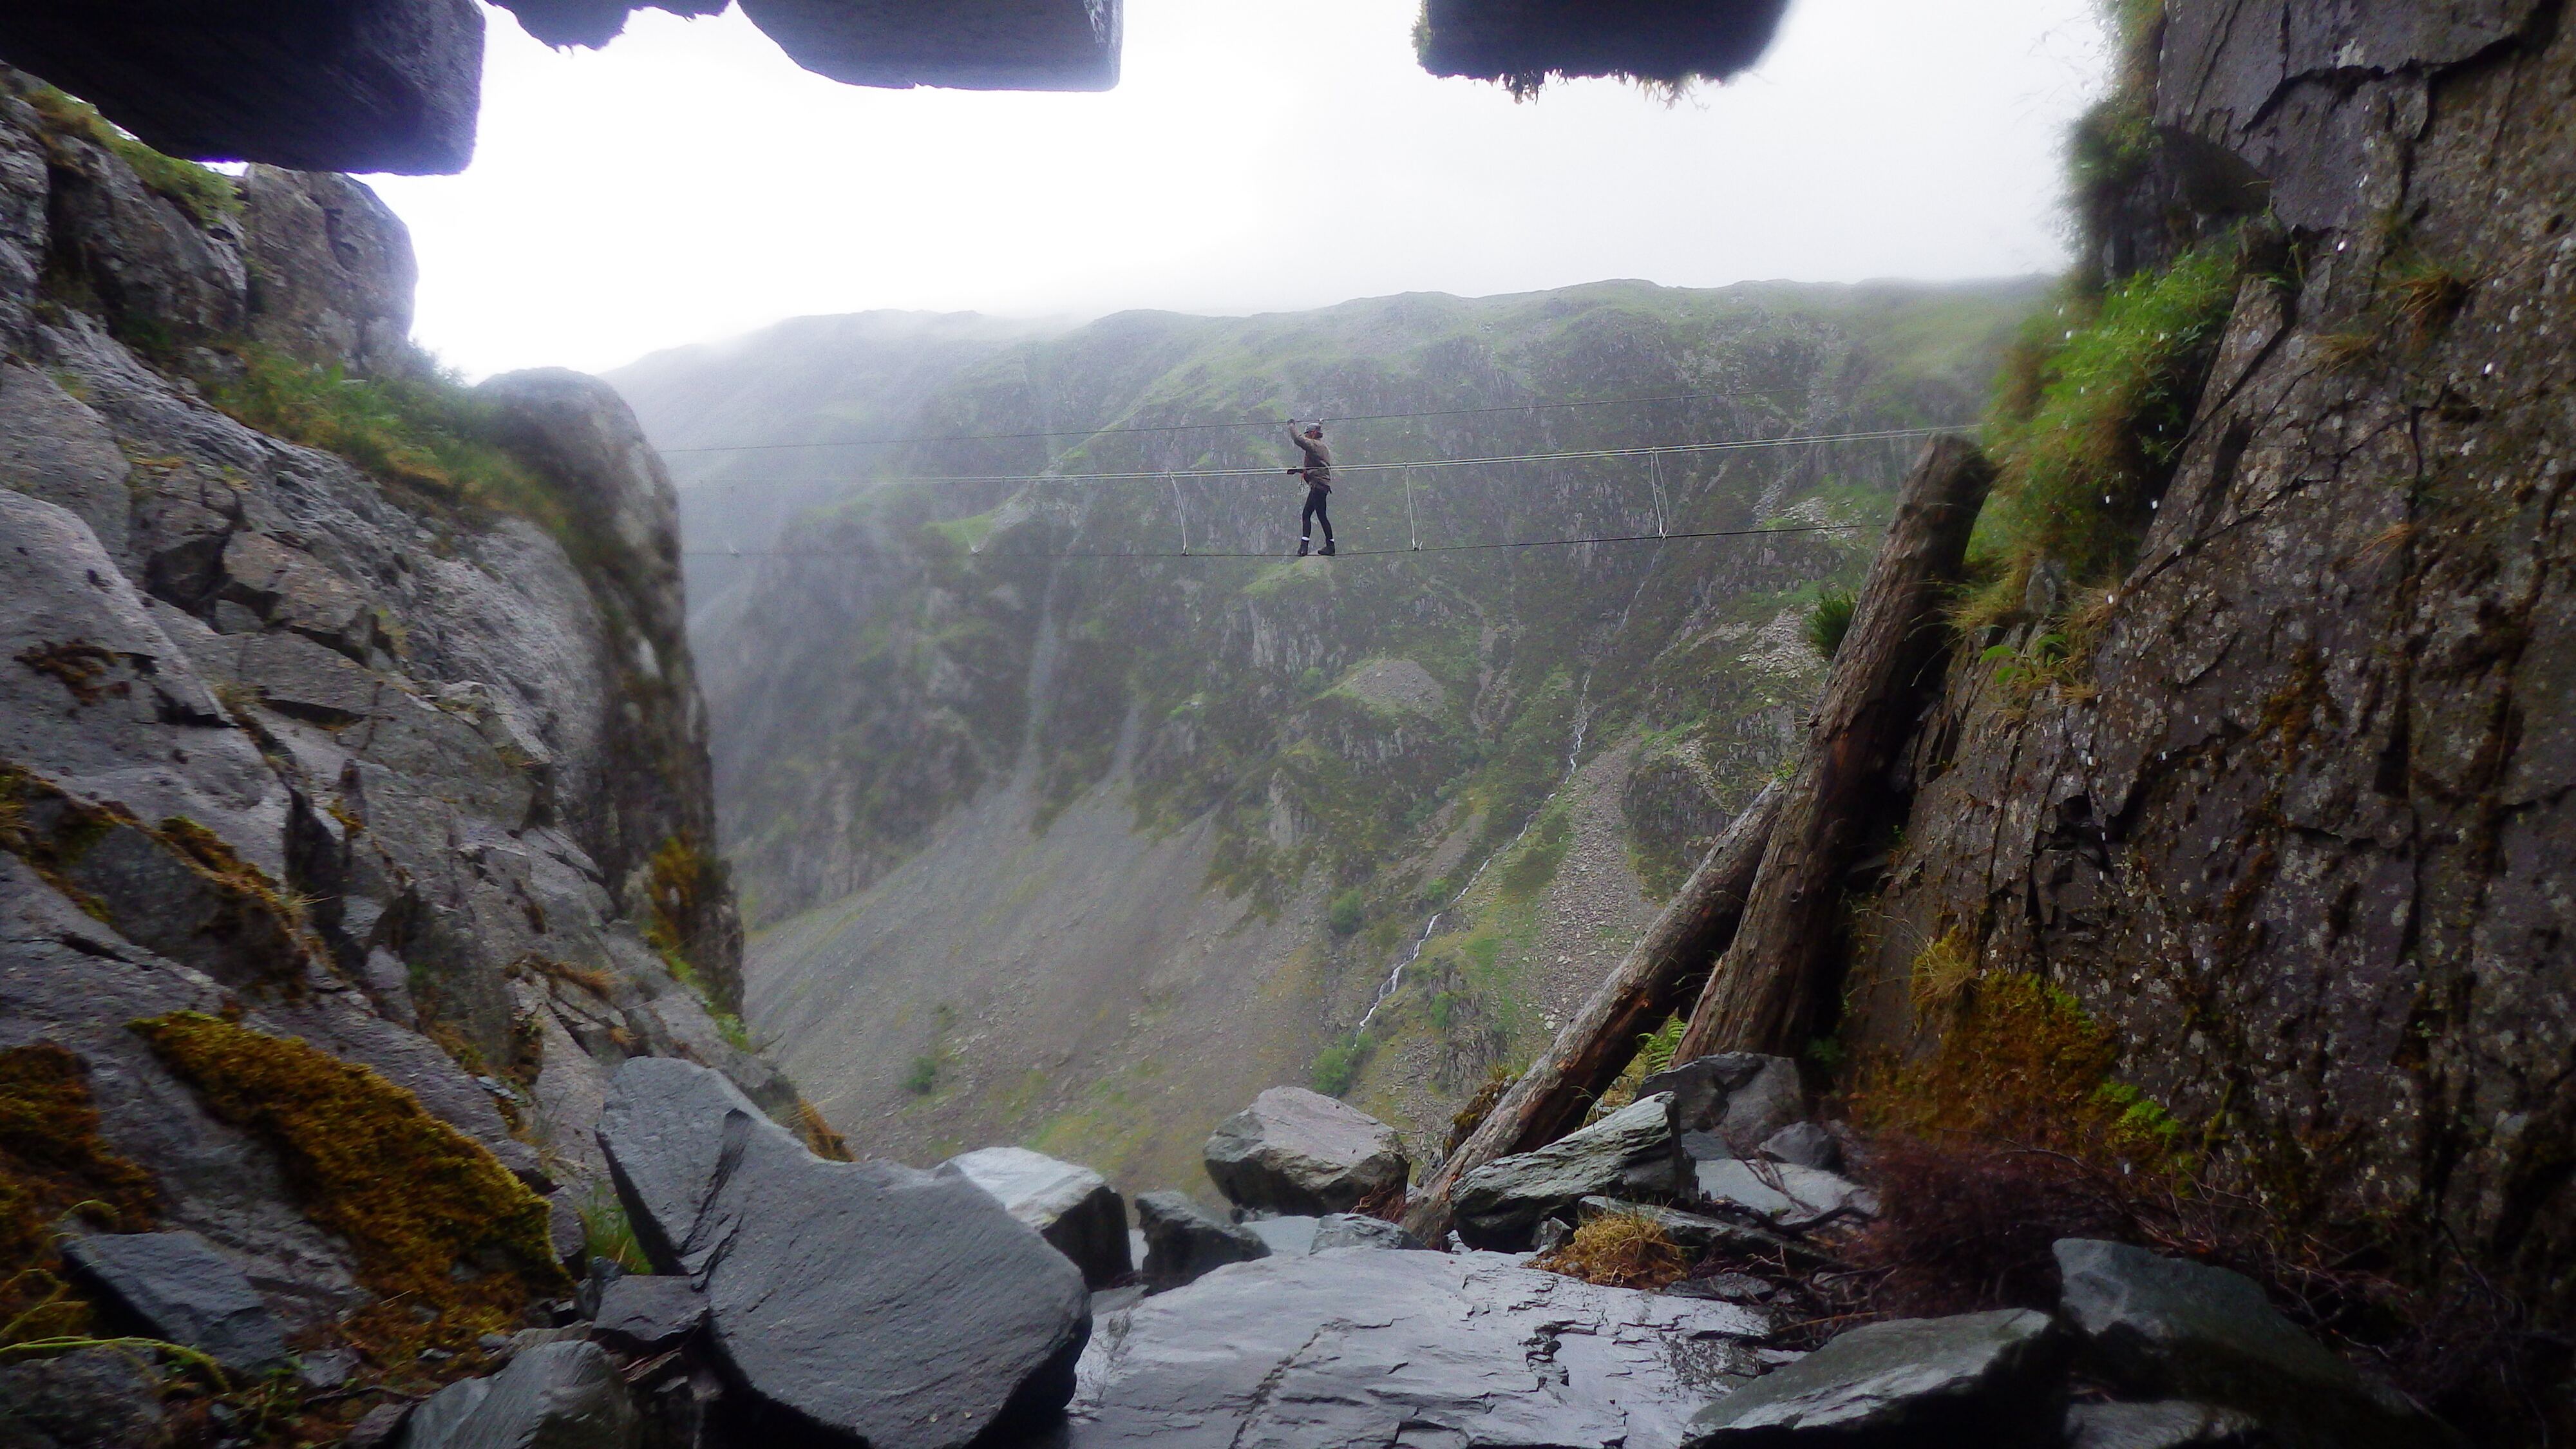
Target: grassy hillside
[(933, 714)]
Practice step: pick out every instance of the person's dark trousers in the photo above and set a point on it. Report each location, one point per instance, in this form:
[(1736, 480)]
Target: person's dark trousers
[(1313, 514)]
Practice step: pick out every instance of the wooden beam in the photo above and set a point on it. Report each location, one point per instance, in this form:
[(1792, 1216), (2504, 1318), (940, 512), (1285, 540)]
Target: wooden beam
[(1595, 1044), (1762, 996)]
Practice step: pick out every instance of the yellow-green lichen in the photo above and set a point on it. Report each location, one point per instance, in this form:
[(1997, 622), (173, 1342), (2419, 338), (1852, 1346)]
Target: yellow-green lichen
[(433, 1219)]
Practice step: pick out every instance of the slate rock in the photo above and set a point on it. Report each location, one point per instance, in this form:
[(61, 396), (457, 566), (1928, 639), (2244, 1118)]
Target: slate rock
[(1301, 1152), (1286, 1237), (1632, 1151), (1072, 1207), (644, 1313), (1986, 1378), (2167, 1327), (1183, 1241), (1787, 1194), (1356, 1230), (93, 1398), (378, 1426), (1360, 1346), (54, 448), (175, 1286), (1804, 1144), (2165, 1424), (1743, 1097), (554, 1396), (863, 1299)]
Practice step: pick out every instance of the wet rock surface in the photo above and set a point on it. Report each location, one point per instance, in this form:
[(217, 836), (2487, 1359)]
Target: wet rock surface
[(644, 1313), (864, 1299), (555, 1396), (1632, 1151), (2165, 1424), (1072, 1207), (1741, 1098), (1296, 1151), (1356, 1346), (1912, 1381)]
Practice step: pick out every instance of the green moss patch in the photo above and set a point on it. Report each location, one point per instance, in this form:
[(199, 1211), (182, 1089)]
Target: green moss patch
[(433, 1218), (2090, 417), (53, 1162)]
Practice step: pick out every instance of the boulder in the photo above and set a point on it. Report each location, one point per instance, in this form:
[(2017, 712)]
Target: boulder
[(2165, 1424), (865, 1300), (54, 448), (1633, 1150), (1785, 1193), (1804, 1144), (1182, 1241), (1988, 1379), (1354, 1230), (1288, 1237), (1743, 1097), (1296, 1151), (1358, 1346), (2166, 1327), (176, 1287), (1071, 1207), (647, 1313), (556, 1396)]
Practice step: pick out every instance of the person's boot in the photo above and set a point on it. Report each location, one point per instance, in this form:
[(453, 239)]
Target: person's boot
[(1302, 546), (1328, 548)]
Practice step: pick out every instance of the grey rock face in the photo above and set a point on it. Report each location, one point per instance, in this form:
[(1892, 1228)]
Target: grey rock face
[(2165, 1424), (1353, 1230), (178, 1288), (1048, 45), (1742, 1097), (333, 273), (2165, 1326), (54, 448), (1804, 1144), (1182, 1242), (866, 1299), (1288, 1237), (1071, 1207), (1296, 1151), (1362, 1347), (1906, 1382), (646, 1313), (1633, 1150), (554, 1396)]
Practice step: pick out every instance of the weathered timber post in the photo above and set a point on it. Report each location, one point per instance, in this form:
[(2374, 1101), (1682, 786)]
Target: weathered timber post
[(1762, 995), (1594, 1045)]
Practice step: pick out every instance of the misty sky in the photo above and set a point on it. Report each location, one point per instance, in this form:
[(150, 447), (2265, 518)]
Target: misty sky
[(688, 182)]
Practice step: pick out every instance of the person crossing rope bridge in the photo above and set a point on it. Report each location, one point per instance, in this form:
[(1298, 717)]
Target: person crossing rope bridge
[(1318, 473)]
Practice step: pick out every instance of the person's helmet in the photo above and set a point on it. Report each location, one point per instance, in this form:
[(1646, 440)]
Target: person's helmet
[(1314, 430)]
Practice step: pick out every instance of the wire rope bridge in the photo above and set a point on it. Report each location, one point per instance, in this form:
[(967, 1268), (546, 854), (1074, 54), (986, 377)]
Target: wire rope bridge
[(1654, 456)]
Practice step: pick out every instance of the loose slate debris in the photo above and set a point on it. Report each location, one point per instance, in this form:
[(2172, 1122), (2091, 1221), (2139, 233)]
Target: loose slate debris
[(859, 1299), (176, 1287), (1352, 1230), (646, 1314), (1633, 1151), (2166, 1424), (556, 1396), (1743, 1097)]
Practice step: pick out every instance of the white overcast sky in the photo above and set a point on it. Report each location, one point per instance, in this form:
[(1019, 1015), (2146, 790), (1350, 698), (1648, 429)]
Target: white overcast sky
[(688, 182)]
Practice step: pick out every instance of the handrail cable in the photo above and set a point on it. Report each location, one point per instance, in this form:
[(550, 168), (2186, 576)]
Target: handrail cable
[(1345, 553)]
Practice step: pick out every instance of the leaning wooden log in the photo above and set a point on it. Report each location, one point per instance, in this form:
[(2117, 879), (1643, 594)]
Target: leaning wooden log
[(1763, 993), (1595, 1044)]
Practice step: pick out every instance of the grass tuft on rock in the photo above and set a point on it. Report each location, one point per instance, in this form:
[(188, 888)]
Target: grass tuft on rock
[(206, 195), (434, 1219), (2089, 420), (53, 1162), (1619, 1250), (1829, 618)]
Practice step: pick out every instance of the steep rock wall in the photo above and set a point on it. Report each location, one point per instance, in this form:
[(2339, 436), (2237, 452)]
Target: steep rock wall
[(339, 756), (2297, 828)]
